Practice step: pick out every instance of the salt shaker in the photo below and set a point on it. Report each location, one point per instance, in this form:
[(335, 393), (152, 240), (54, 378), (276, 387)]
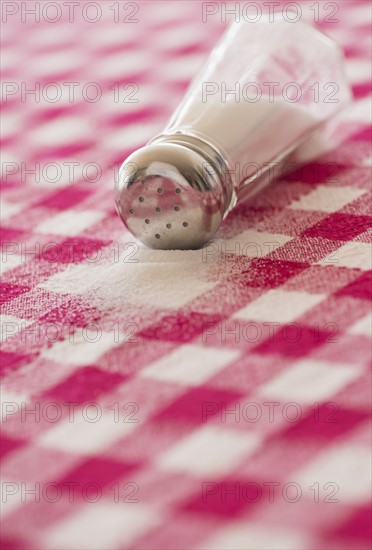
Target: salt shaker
[(264, 89)]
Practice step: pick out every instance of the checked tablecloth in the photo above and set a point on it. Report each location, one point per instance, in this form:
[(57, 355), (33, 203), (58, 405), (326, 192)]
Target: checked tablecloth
[(213, 399)]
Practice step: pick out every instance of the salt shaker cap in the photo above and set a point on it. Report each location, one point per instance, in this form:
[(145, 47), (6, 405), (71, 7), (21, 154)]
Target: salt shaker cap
[(173, 193)]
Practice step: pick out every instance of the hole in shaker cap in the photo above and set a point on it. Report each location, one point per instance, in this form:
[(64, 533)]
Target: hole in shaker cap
[(141, 199), (160, 190), (158, 209), (157, 236), (178, 190), (176, 208), (169, 225), (147, 220), (185, 224)]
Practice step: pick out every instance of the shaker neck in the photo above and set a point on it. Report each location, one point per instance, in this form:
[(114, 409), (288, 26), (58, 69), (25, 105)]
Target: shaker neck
[(214, 160)]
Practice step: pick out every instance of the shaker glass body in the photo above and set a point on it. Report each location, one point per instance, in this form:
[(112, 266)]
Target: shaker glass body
[(263, 91), (264, 88)]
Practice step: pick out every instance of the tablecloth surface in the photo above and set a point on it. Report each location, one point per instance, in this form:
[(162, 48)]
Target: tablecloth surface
[(210, 399)]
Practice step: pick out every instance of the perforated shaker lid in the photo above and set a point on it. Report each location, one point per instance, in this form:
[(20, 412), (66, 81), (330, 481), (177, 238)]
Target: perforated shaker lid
[(171, 197)]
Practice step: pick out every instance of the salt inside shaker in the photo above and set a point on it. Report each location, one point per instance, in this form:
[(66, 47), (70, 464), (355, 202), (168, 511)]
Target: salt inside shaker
[(264, 89)]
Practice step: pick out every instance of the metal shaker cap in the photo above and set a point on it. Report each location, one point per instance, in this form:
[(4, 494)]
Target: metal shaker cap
[(172, 195)]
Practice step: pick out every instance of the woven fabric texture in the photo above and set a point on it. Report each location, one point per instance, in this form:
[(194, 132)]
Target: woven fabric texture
[(166, 400)]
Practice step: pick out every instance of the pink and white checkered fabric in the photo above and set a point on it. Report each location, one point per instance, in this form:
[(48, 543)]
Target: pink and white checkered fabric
[(214, 399)]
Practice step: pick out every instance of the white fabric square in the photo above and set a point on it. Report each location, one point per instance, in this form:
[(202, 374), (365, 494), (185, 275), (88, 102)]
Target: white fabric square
[(9, 209), (10, 325), (92, 430), (356, 112), (358, 70), (170, 285), (143, 277), (63, 176), (363, 327), (100, 525), (11, 403), (209, 451), (309, 381), (326, 198), (9, 501), (75, 279), (82, 347), (132, 134), (279, 306), (357, 16), (352, 254), (9, 261), (190, 364), (367, 161), (250, 243), (60, 131), (69, 222), (348, 466), (250, 536)]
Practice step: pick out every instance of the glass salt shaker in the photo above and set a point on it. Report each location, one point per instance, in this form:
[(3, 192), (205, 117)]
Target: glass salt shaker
[(262, 92)]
